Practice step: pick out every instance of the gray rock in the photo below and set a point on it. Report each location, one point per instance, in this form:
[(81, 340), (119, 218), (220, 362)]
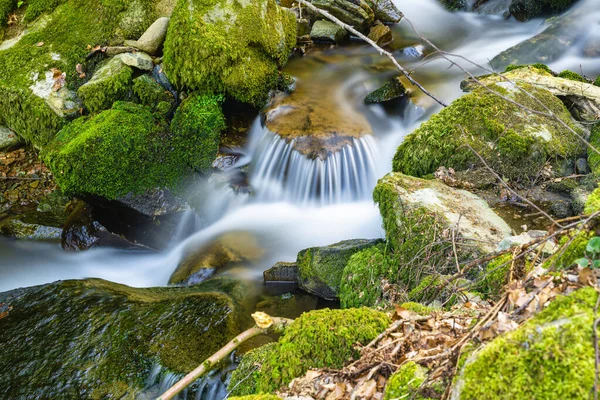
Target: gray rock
[(321, 268), (152, 40), (582, 166), (391, 90), (380, 33), (562, 209), (325, 31), (63, 102), (494, 7), (138, 60), (18, 229), (355, 13), (385, 10), (154, 202), (527, 237), (8, 139), (282, 272)]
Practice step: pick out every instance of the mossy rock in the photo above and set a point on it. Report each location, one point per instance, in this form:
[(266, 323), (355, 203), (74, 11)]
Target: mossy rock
[(597, 81), (96, 339), (111, 82), (152, 94), (524, 10), (321, 268), (455, 5), (391, 90), (550, 356), (59, 39), (405, 382), (420, 214), (515, 143), (365, 275), (234, 47), (355, 13), (317, 339), (574, 76), (594, 157), (89, 156)]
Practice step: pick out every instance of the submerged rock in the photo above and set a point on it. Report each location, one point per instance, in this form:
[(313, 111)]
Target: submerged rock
[(392, 89), (514, 142), (549, 356), (152, 40), (325, 31), (321, 268), (229, 46), (317, 339), (97, 339), (524, 10), (227, 250), (8, 139)]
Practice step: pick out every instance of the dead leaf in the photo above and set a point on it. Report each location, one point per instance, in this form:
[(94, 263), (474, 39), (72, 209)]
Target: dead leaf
[(40, 44), (587, 277)]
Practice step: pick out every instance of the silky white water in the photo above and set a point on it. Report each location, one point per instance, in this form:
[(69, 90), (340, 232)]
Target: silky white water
[(297, 203)]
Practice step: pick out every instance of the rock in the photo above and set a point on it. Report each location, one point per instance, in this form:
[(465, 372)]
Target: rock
[(229, 249), (8, 139), (15, 228), (582, 98), (111, 82), (355, 13), (282, 272), (385, 11), (455, 5), (320, 268), (317, 339), (524, 10), (154, 202), (325, 31), (93, 336), (380, 34), (152, 40), (88, 156), (63, 102), (582, 166), (516, 144), (493, 7), (57, 42), (392, 89), (548, 249), (228, 46), (508, 366), (562, 209), (138, 60), (302, 27), (151, 93), (418, 212)]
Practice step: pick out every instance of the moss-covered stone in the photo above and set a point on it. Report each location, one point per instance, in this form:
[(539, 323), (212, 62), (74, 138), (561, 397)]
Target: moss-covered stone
[(391, 90), (455, 5), (550, 356), (538, 66), (151, 94), (317, 339), (594, 157), (405, 382), (321, 268), (235, 47), (355, 13), (365, 275), (574, 76), (512, 141), (565, 258), (524, 10), (592, 203), (96, 339), (90, 155), (110, 83), (196, 128), (6, 6), (59, 39), (597, 81)]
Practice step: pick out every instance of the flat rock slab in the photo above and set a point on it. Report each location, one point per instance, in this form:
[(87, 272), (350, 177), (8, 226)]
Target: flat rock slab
[(152, 40)]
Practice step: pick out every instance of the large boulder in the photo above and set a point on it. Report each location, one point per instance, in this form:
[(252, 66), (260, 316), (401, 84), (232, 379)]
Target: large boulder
[(89, 156), (111, 82), (97, 339), (39, 67), (317, 339), (514, 142), (320, 269), (550, 356), (231, 46)]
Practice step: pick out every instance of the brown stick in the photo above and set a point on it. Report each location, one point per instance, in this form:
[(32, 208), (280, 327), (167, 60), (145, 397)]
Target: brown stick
[(264, 325), (374, 45)]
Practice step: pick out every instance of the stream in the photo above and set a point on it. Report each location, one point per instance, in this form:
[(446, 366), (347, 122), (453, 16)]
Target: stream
[(296, 202)]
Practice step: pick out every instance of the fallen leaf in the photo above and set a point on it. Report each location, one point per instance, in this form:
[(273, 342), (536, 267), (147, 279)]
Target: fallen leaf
[(587, 277), (40, 44)]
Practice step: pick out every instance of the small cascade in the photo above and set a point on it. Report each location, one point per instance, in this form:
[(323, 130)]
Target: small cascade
[(282, 173)]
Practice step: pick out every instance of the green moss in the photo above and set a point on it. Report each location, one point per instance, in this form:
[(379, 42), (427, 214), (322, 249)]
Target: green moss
[(151, 94), (592, 203), (89, 22), (97, 339), (597, 81), (495, 275), (538, 66), (514, 143), (418, 308), (110, 83), (573, 76), (6, 6), (550, 356), (455, 5), (405, 382), (243, 379), (594, 157), (230, 47), (35, 8), (318, 339), (196, 127), (365, 275), (565, 258), (256, 397)]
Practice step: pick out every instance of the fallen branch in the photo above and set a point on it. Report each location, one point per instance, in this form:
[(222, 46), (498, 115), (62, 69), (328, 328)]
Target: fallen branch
[(374, 45), (264, 325)]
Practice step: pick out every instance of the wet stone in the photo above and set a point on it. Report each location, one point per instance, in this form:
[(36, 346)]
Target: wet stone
[(282, 272)]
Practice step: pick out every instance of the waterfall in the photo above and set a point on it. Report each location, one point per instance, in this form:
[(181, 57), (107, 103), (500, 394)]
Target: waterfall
[(281, 173)]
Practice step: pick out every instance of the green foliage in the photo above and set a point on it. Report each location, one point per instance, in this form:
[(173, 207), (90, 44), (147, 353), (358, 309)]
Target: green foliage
[(573, 76), (229, 47), (405, 382), (95, 339), (597, 81), (112, 82), (196, 127), (35, 8), (89, 22), (574, 251), (6, 6), (364, 276), (317, 339), (495, 275), (592, 252), (550, 356), (492, 126), (538, 66), (592, 203), (418, 308)]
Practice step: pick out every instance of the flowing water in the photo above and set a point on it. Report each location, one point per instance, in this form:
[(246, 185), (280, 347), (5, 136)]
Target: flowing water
[(297, 202)]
